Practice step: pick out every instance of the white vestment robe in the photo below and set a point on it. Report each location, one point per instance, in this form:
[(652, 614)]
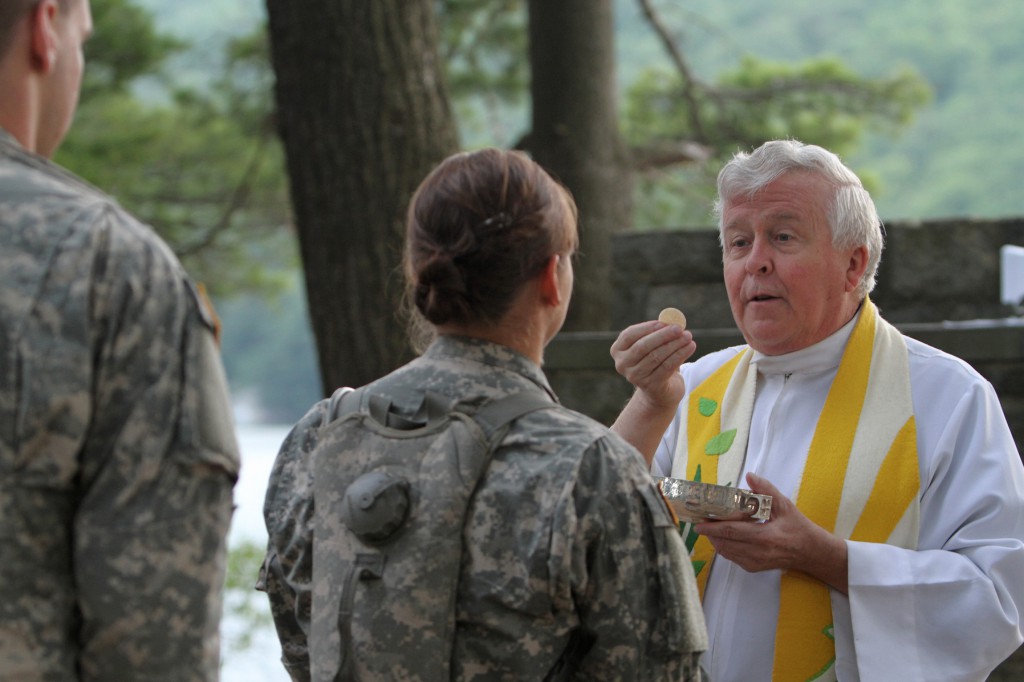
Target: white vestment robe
[(951, 610)]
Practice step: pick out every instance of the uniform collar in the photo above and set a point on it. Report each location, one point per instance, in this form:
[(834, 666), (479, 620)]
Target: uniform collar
[(10, 142), (462, 348)]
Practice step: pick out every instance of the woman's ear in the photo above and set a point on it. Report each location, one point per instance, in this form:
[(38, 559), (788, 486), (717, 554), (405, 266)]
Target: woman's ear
[(549, 289)]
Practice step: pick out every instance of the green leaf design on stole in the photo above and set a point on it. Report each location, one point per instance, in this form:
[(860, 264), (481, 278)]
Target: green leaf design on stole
[(828, 631), (721, 443), (707, 407)]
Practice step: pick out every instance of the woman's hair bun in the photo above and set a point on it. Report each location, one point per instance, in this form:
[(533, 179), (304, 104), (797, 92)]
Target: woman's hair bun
[(440, 290), (479, 227)]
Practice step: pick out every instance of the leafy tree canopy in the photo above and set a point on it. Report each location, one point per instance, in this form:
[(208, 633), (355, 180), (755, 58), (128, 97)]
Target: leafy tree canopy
[(201, 166), (681, 128)]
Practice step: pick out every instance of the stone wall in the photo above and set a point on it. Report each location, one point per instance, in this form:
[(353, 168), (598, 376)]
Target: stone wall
[(930, 272), (938, 281)]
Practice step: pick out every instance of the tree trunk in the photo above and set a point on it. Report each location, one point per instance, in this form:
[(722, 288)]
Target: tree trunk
[(363, 113), (575, 135)]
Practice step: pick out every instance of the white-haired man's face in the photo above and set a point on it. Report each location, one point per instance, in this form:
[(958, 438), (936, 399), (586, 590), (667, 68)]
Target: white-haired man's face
[(788, 286)]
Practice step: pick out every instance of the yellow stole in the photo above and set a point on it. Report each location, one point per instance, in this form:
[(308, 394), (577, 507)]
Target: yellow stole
[(866, 429)]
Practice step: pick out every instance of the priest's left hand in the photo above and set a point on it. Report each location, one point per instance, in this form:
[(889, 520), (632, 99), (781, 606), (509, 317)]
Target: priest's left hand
[(787, 541)]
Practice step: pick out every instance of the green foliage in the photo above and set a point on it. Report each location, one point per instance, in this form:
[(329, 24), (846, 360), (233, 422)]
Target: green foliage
[(245, 86), (242, 602), (124, 47), (484, 43), (269, 352), (177, 126), (212, 190), (484, 47), (674, 198), (819, 101), (958, 157), (201, 166), (199, 162)]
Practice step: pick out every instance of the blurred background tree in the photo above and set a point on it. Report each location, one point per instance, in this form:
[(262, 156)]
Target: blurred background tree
[(364, 108), (200, 163), (191, 148), (364, 113), (178, 121)]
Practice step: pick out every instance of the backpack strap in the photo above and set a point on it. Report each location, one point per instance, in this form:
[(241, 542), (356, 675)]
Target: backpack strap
[(496, 417), (345, 401), (341, 402), (492, 416)]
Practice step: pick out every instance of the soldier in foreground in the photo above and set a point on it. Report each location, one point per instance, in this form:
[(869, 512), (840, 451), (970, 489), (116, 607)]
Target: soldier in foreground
[(117, 450), (565, 563)]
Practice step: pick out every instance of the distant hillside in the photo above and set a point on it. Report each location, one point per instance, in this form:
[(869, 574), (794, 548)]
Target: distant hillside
[(963, 155), (206, 20), (206, 25)]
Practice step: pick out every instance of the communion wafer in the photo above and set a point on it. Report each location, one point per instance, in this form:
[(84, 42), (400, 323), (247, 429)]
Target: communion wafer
[(673, 316)]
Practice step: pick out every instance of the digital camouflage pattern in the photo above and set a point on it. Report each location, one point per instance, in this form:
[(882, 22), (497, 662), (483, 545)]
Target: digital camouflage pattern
[(391, 498), (572, 567), (117, 447)]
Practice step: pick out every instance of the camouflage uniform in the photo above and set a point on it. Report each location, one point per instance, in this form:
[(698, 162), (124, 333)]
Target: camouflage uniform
[(569, 549), (117, 449)]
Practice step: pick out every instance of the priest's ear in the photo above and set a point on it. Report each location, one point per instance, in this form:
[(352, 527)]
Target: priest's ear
[(856, 267)]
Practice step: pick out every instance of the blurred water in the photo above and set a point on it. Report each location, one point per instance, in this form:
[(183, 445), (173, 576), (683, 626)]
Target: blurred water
[(260, 660), (259, 444)]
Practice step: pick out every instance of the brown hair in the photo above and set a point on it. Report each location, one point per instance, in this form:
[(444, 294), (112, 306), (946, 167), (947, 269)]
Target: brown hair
[(479, 226)]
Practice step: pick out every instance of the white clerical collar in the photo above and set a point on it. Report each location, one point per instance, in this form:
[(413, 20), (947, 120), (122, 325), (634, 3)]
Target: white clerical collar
[(823, 355)]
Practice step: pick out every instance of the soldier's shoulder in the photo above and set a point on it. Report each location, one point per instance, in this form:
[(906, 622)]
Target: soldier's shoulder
[(52, 203), (46, 184), (292, 466), (569, 435), (568, 420)]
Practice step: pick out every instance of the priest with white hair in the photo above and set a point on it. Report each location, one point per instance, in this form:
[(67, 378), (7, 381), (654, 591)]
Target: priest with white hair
[(895, 546)]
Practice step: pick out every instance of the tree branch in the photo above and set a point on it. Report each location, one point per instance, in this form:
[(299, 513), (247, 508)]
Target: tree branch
[(671, 153), (690, 83), (237, 200), (787, 86)]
